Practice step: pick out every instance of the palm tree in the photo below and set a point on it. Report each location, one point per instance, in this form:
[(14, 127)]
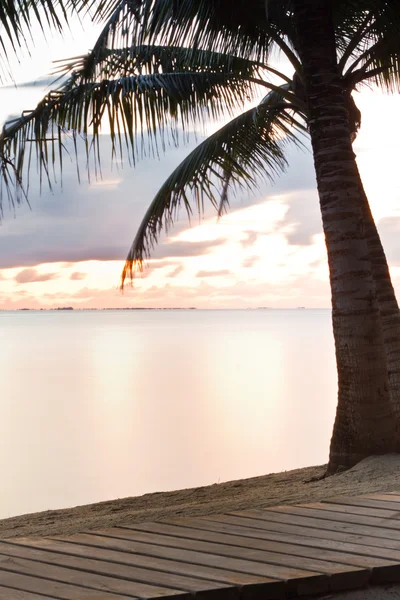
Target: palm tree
[(355, 311), (187, 60)]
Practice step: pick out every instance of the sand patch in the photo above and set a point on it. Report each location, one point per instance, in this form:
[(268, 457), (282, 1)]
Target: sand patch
[(374, 474)]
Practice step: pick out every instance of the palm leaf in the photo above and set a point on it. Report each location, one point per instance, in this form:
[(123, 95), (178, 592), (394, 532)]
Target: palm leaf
[(135, 60), (155, 103), (248, 148), (380, 63), (210, 25), (373, 50)]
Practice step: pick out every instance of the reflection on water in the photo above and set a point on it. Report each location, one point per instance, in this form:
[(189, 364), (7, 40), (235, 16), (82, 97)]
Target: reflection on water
[(102, 405)]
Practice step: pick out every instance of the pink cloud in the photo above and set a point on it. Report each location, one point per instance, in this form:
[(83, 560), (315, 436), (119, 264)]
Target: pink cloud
[(32, 276), (77, 276), (221, 273), (299, 291), (177, 271)]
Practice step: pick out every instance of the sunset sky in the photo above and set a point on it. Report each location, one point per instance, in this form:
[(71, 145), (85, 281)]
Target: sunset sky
[(69, 248)]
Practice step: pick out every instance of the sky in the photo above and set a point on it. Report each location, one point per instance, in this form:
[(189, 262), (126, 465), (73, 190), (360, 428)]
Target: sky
[(68, 248)]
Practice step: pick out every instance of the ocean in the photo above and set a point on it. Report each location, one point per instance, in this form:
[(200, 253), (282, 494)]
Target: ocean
[(97, 405)]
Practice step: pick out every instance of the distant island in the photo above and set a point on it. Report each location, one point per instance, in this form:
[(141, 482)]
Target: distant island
[(100, 309), (153, 308), (58, 308)]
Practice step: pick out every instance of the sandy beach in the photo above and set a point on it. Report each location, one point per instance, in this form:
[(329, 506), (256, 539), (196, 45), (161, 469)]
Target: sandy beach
[(373, 474)]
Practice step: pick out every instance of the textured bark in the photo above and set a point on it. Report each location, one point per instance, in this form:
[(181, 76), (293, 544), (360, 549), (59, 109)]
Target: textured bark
[(388, 308), (364, 422)]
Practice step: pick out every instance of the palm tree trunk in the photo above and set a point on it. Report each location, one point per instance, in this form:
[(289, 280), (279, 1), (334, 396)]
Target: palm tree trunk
[(364, 422), (388, 308)]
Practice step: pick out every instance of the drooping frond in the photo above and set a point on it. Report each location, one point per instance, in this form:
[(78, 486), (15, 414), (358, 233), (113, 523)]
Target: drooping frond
[(133, 105), (247, 149)]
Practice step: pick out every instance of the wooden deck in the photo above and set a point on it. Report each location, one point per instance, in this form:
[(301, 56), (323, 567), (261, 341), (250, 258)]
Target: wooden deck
[(280, 552)]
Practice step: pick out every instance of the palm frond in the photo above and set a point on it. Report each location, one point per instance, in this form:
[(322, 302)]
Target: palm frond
[(354, 42), (202, 24), (111, 63), (213, 26), (373, 50), (380, 64), (247, 149), (152, 103)]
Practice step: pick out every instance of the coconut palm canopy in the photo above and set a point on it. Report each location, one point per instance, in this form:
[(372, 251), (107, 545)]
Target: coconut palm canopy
[(159, 66)]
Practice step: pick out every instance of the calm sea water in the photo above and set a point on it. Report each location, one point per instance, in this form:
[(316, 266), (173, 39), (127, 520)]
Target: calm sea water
[(102, 405)]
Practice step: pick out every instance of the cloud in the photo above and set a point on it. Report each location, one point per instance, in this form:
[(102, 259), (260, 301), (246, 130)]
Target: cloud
[(43, 81), (220, 273), (99, 221), (86, 222), (177, 271), (307, 289), (153, 265), (303, 218), (250, 239), (182, 248), (250, 261), (77, 276), (32, 276), (300, 173)]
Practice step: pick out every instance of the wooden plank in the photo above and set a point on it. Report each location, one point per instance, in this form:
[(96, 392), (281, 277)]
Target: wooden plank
[(355, 545), (260, 552), (353, 510), (301, 579), (265, 555), (46, 588), (207, 556), (253, 583), (288, 546), (15, 563), (366, 502), (98, 546), (307, 511), (119, 564), (394, 494), (383, 497), (7, 593), (270, 527), (302, 521), (339, 571)]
